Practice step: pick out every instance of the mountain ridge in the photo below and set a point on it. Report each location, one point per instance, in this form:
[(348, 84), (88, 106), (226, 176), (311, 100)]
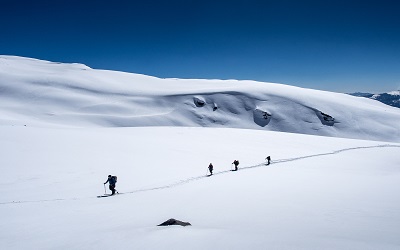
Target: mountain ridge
[(390, 98)]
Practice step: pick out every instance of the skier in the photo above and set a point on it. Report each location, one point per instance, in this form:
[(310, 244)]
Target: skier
[(236, 163), (210, 168), (111, 180), (268, 159)]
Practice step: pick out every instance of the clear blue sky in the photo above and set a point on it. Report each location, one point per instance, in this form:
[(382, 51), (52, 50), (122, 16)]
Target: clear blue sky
[(341, 46)]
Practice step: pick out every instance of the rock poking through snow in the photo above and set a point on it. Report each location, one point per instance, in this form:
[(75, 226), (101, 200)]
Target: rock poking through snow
[(172, 221)]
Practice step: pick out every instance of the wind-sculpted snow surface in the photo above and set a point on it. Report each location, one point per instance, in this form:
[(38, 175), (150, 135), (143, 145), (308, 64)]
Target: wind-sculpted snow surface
[(40, 93)]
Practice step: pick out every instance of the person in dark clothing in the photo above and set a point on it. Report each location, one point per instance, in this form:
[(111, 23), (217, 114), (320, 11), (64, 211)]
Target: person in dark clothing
[(236, 163), (211, 168), (111, 181), (268, 159)]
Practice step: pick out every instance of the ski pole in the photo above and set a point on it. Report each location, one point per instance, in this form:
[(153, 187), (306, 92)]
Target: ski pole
[(105, 190)]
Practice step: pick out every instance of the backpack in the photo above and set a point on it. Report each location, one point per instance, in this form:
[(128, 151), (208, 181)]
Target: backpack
[(114, 178)]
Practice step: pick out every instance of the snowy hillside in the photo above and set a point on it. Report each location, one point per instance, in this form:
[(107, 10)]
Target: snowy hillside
[(65, 127), (35, 92)]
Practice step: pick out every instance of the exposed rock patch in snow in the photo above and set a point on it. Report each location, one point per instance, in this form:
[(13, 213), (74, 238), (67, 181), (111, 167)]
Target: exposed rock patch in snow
[(172, 222), (261, 116)]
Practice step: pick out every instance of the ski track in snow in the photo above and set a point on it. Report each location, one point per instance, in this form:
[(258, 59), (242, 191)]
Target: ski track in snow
[(185, 181)]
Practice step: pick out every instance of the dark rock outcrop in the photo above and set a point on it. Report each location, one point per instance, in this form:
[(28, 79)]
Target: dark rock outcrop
[(172, 221)]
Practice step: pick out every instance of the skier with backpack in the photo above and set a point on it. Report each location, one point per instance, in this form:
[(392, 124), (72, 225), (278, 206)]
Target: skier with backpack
[(210, 168), (236, 163), (268, 159), (112, 180)]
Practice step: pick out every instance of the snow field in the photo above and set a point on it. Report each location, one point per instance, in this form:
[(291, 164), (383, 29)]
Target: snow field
[(342, 200)]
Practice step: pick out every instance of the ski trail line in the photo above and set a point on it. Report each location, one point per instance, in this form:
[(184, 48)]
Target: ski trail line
[(185, 181), (260, 165)]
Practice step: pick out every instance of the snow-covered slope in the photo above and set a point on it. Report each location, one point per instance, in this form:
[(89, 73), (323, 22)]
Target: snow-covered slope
[(36, 92), (318, 193), (83, 124)]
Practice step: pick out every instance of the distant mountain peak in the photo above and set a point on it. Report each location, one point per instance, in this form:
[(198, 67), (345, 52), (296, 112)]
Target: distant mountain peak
[(396, 92), (391, 98)]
